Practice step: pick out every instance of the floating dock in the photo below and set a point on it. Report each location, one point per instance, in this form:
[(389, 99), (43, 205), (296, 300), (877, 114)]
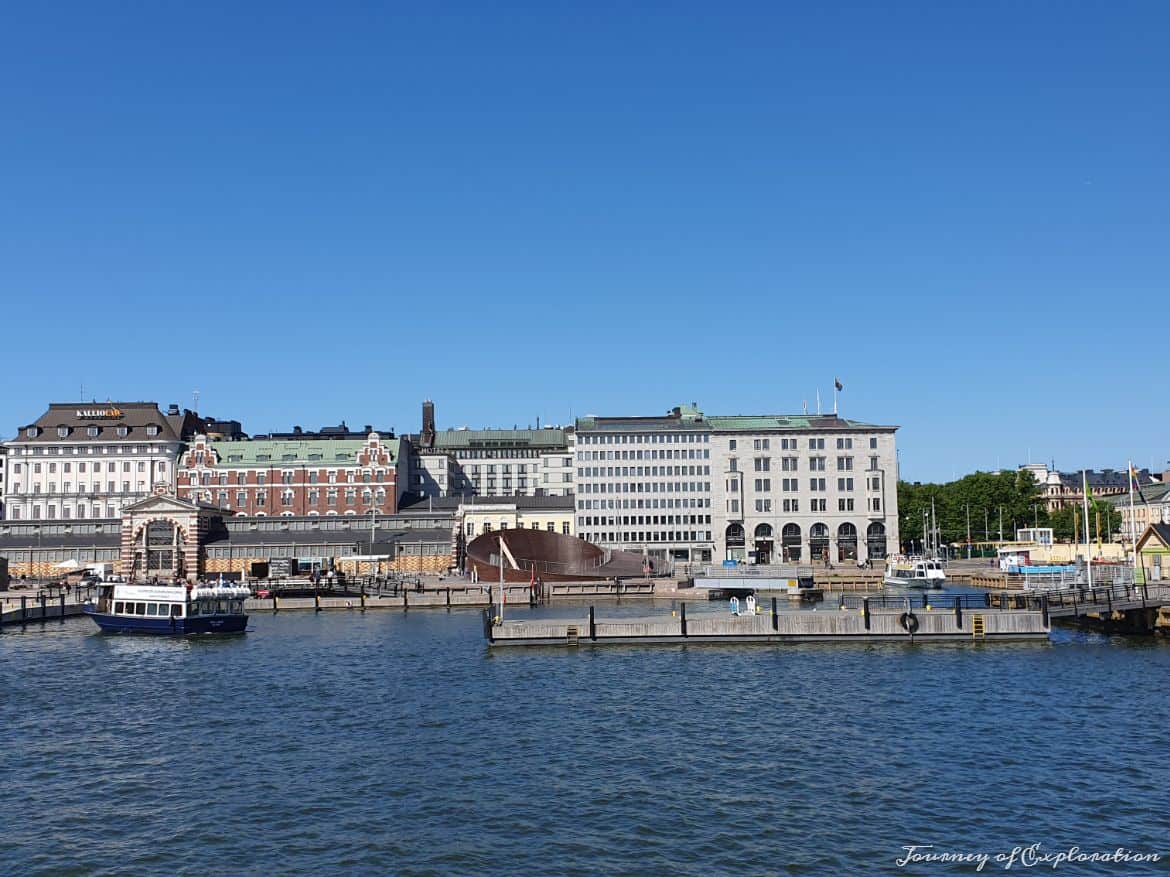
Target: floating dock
[(867, 620)]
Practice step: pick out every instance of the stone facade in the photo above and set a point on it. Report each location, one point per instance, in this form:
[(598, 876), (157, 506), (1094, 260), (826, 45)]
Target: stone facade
[(87, 460)]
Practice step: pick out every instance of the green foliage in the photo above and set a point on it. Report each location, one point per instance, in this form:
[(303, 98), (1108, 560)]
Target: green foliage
[(1069, 524), (979, 498)]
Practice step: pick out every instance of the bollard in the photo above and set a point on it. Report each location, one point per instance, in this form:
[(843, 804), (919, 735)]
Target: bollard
[(592, 626), (775, 616), (865, 611), (683, 616)]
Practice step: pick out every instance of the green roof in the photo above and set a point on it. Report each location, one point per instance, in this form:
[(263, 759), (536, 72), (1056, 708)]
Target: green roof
[(500, 438), (763, 423), (264, 452)]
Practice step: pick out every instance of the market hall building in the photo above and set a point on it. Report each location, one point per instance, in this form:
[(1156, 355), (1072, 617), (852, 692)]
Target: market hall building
[(166, 536)]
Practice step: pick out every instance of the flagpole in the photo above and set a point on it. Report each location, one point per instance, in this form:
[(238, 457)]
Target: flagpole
[(818, 402), (1133, 523), (1088, 544), (834, 397)]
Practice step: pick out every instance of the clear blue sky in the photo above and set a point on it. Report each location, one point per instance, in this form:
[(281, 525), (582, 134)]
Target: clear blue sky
[(317, 211)]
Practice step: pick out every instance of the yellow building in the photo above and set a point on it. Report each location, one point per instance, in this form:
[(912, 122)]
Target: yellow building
[(1154, 552), (481, 515)]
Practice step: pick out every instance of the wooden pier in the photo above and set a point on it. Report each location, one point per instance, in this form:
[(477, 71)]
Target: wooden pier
[(876, 619)]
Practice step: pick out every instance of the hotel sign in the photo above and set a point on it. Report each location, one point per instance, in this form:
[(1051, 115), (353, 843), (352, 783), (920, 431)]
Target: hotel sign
[(99, 413)]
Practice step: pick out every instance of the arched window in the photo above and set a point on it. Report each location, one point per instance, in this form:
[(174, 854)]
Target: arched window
[(875, 540), (846, 542), (818, 541), (734, 542), (790, 541), (764, 531)]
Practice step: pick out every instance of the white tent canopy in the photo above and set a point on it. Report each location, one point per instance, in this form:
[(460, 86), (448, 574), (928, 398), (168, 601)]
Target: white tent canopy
[(67, 564)]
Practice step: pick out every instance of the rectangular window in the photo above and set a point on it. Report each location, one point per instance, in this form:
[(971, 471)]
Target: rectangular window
[(763, 464), (873, 443), (816, 464), (845, 464)]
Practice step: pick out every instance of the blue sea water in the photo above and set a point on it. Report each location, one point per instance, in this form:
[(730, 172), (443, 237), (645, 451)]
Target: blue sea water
[(396, 743)]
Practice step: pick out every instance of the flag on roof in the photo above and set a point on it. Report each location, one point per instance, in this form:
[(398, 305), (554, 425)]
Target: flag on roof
[(837, 383)]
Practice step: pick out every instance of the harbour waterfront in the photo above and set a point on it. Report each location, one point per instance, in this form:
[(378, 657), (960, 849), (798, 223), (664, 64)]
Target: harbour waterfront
[(397, 743)]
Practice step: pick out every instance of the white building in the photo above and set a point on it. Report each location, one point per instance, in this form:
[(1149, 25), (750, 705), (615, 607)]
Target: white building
[(795, 488), (761, 489), (490, 462), (88, 460), (646, 484)]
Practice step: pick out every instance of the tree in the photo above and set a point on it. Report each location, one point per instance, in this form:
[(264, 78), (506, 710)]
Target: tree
[(976, 498)]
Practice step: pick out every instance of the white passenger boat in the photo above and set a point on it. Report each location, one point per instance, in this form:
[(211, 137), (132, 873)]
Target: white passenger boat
[(915, 572)]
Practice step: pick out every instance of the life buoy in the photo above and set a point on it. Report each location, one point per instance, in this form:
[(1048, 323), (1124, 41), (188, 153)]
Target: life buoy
[(909, 622)]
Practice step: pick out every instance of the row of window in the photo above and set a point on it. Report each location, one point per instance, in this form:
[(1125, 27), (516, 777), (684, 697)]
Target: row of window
[(643, 536), (67, 512), (535, 525), (646, 487), (67, 466), (641, 520), (656, 438), (76, 451), (789, 485), (286, 477), (82, 487), (679, 454), (680, 503), (93, 430)]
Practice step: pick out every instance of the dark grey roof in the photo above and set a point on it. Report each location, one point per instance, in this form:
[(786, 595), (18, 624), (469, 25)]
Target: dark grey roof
[(223, 537), (77, 417), (452, 503), (1106, 478)]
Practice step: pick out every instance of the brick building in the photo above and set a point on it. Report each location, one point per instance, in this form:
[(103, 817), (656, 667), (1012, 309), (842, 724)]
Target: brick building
[(296, 477)]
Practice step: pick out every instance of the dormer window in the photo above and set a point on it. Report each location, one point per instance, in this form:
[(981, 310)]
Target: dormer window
[(62, 431), (93, 431), (123, 431), (31, 432), (152, 429)]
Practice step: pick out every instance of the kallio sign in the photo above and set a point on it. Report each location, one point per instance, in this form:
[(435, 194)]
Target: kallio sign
[(94, 413)]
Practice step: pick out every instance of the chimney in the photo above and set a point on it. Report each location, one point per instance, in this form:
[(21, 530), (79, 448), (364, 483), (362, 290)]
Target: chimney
[(173, 409), (427, 439)]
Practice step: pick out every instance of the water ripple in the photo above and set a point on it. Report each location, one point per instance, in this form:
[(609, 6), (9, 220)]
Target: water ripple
[(391, 743)]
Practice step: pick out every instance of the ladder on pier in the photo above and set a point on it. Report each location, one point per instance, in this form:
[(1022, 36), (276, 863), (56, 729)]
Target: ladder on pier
[(572, 636), (978, 626)]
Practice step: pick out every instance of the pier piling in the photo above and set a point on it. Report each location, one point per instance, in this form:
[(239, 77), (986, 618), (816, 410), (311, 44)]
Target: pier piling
[(592, 626)]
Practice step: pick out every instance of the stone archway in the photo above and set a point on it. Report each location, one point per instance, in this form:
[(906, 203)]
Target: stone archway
[(163, 536), (790, 543), (734, 542), (160, 550), (765, 546)]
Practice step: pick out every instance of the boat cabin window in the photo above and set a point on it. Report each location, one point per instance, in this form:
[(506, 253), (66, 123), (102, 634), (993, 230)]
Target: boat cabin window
[(119, 608), (139, 608), (176, 610), (152, 608)]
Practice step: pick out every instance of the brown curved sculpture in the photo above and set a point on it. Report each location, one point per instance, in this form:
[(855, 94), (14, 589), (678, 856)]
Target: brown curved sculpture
[(553, 556)]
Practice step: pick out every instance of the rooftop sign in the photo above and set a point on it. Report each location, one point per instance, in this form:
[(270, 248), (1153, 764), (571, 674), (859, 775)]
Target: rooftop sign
[(96, 413)]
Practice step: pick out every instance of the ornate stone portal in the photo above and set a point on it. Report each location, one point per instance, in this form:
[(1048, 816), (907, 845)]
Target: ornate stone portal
[(163, 536)]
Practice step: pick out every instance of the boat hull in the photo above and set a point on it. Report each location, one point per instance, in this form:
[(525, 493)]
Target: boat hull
[(921, 584), (202, 624)]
